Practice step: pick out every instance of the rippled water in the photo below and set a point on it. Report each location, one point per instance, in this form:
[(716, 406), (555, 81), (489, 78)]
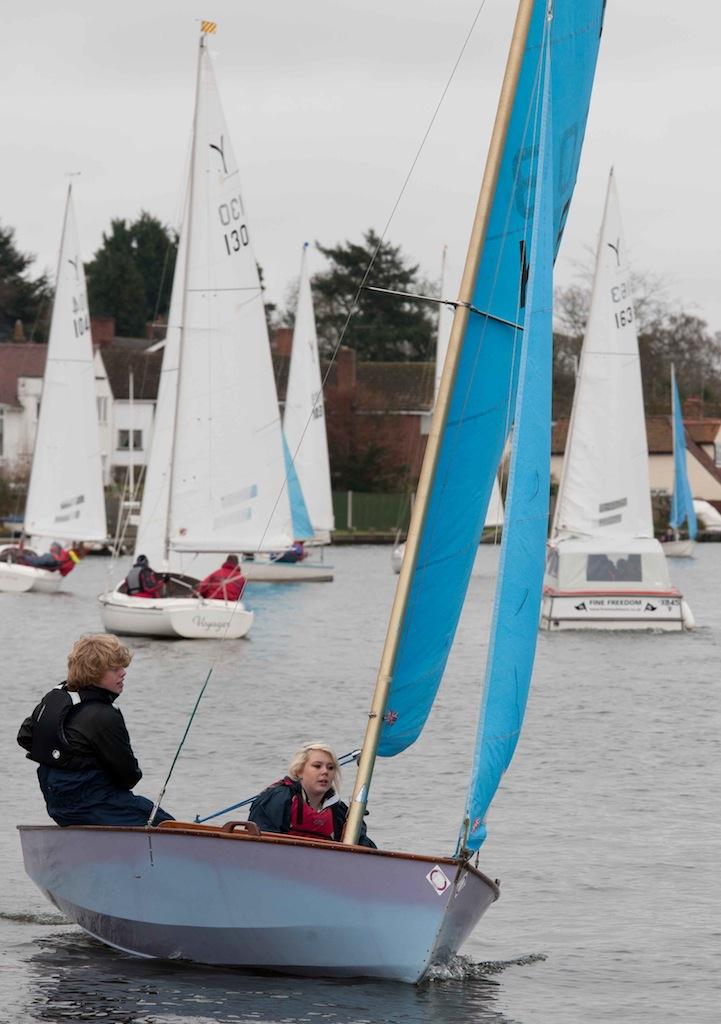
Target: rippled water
[(605, 833)]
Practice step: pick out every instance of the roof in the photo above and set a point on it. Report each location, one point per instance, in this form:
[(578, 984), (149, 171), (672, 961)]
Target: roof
[(395, 387), (19, 359), (119, 361), (658, 432)]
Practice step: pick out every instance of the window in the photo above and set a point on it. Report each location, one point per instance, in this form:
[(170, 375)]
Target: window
[(124, 440), (601, 568), (102, 410)]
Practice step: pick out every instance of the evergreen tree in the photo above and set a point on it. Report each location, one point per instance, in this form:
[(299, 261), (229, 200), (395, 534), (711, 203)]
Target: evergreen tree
[(130, 276), (21, 298), (383, 327)]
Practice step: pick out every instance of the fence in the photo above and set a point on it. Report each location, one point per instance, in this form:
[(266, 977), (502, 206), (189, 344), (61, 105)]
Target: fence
[(355, 510)]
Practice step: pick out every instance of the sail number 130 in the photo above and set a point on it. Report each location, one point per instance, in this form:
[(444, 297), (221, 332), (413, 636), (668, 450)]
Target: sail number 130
[(230, 214)]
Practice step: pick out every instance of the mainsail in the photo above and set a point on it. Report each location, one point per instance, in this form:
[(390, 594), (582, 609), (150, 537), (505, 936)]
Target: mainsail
[(473, 417), (304, 414), (602, 495), (217, 470), (65, 496), (682, 510)]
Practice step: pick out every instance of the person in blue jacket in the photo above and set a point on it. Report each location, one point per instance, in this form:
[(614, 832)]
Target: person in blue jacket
[(86, 765)]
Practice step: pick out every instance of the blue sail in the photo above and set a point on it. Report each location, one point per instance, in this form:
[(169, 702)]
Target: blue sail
[(682, 510), (302, 526), (520, 576), (483, 396)]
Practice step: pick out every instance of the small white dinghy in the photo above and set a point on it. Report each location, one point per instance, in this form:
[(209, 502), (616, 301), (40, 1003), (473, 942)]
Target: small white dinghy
[(178, 614), (18, 579), (216, 480), (605, 569), (303, 906)]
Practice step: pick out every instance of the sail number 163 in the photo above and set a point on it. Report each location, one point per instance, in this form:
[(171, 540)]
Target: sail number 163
[(236, 234), (623, 317)]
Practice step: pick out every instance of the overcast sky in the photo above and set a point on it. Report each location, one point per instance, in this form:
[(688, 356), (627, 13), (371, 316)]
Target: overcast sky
[(327, 102)]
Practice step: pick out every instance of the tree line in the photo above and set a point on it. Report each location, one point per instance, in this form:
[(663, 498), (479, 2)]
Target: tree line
[(130, 278)]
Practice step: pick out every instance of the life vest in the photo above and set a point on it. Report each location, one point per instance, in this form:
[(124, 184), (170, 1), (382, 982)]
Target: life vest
[(49, 743), (68, 560), (136, 583), (305, 820)]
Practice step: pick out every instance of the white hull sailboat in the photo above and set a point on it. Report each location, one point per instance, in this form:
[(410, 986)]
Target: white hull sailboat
[(605, 569), (216, 480), (66, 501), (682, 506), (232, 895)]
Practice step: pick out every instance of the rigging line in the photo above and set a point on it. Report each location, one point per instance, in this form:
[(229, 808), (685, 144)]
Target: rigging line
[(381, 238), (180, 747)]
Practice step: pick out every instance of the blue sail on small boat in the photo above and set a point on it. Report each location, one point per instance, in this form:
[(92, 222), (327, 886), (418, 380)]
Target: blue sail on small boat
[(682, 510), (232, 895)]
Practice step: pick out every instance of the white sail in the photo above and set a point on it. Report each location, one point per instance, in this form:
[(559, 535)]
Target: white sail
[(304, 415), (65, 496), (605, 491), (216, 479)]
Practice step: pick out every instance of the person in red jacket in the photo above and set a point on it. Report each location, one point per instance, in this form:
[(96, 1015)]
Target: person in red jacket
[(225, 584), (57, 560)]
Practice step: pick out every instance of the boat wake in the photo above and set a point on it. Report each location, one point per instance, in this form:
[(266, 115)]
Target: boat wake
[(34, 918), (463, 968)]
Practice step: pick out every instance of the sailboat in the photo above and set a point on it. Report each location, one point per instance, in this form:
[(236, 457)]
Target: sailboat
[(605, 568), (494, 512), (233, 895), (216, 479), (66, 501), (306, 445), (682, 510)]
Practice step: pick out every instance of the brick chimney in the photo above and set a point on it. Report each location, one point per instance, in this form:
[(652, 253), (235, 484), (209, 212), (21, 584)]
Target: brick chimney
[(693, 409), (346, 372), (283, 341), (102, 330), (18, 332)]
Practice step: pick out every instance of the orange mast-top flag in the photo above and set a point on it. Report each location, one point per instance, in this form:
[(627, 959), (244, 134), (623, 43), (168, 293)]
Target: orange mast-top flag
[(208, 27)]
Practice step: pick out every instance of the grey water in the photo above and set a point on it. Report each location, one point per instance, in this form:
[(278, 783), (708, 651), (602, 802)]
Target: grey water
[(605, 832)]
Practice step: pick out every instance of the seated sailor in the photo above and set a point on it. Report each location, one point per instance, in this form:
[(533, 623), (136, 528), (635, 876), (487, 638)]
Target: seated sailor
[(225, 584), (305, 802), (87, 767), (142, 581)]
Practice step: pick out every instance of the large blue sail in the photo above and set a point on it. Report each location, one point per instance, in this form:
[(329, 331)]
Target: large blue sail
[(483, 395), (302, 526), (520, 577), (682, 510)]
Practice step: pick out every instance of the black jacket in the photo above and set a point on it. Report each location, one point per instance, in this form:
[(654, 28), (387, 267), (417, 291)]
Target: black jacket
[(92, 732), (271, 811)]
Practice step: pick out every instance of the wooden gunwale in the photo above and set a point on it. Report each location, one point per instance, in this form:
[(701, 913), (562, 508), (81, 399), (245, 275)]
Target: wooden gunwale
[(276, 839)]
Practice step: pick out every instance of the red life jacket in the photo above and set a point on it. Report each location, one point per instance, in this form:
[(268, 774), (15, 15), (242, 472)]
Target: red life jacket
[(305, 821), (68, 560)]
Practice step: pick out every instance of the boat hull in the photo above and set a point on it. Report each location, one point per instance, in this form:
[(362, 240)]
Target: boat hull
[(601, 610), (679, 548), (286, 572), (19, 579), (189, 618), (269, 902)]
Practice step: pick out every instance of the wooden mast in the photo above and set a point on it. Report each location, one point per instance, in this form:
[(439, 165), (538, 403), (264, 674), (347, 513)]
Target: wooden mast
[(440, 415)]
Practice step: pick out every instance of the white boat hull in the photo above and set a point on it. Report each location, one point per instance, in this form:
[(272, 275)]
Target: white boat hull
[(286, 572), (630, 610), (187, 617), (679, 548), (19, 579), (289, 905)]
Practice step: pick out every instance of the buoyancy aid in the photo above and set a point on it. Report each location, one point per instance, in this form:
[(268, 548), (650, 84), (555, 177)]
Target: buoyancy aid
[(49, 744), (305, 820), (68, 560), (133, 581)]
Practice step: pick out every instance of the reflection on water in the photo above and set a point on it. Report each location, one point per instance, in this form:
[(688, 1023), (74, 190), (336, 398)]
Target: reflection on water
[(74, 978)]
